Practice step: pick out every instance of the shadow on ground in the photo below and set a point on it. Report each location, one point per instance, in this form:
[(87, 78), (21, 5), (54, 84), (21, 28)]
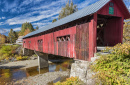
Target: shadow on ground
[(11, 67)]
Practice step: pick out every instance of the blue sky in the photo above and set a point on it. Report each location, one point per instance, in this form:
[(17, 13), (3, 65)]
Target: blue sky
[(38, 12)]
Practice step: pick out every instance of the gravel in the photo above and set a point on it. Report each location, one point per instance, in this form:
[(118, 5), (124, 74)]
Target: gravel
[(42, 79), (20, 64)]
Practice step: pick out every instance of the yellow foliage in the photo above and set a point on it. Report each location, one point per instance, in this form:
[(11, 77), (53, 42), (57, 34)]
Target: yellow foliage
[(126, 31), (27, 31), (22, 57), (113, 69), (2, 39), (70, 81)]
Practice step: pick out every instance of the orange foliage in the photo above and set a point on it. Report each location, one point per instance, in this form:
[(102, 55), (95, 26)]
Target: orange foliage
[(26, 32), (2, 39)]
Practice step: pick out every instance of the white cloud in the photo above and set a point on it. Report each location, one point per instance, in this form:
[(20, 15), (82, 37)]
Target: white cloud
[(54, 3), (3, 31), (30, 18), (41, 24), (37, 13), (83, 4), (55, 17), (2, 10), (1, 23), (86, 3), (3, 18), (27, 2), (9, 6), (17, 29), (47, 11)]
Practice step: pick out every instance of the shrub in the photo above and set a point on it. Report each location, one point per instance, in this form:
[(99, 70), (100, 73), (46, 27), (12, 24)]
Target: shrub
[(22, 57), (7, 51), (70, 81), (114, 68)]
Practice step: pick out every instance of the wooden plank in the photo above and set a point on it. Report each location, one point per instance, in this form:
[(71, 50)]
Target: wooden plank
[(82, 41)]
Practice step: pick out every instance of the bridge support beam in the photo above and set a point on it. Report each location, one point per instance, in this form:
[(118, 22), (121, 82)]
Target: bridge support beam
[(24, 51), (27, 52), (42, 60), (42, 57)]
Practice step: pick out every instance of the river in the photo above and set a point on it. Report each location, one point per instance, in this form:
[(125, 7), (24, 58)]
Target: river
[(13, 75)]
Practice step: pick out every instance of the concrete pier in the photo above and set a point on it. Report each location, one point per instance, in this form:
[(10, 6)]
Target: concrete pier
[(42, 60), (42, 57)]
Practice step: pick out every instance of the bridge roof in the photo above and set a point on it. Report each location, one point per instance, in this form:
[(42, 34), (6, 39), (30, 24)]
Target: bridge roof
[(77, 15)]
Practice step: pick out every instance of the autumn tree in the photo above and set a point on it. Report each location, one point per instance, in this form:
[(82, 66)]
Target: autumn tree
[(2, 39), (12, 36), (126, 31), (67, 10), (24, 28), (27, 31)]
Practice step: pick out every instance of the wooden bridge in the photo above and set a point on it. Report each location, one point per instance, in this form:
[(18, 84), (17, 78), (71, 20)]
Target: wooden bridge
[(78, 35)]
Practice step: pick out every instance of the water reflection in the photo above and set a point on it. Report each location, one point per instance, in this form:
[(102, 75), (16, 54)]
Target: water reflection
[(12, 75), (35, 70)]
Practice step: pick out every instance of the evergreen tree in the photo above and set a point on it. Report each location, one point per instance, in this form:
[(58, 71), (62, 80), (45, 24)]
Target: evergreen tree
[(67, 10), (24, 27), (37, 27), (54, 20), (12, 36)]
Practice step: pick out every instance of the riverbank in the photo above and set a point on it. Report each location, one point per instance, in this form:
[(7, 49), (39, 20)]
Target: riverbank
[(20, 64), (27, 73)]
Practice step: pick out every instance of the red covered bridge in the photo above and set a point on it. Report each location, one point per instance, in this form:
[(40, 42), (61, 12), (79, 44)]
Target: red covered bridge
[(78, 35)]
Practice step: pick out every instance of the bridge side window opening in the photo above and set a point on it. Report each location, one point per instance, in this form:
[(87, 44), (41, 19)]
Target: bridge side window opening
[(63, 38)]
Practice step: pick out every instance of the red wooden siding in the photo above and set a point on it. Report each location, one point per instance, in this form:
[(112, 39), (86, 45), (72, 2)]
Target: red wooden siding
[(113, 32), (82, 42), (105, 10), (65, 48), (51, 45), (77, 47), (91, 39)]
